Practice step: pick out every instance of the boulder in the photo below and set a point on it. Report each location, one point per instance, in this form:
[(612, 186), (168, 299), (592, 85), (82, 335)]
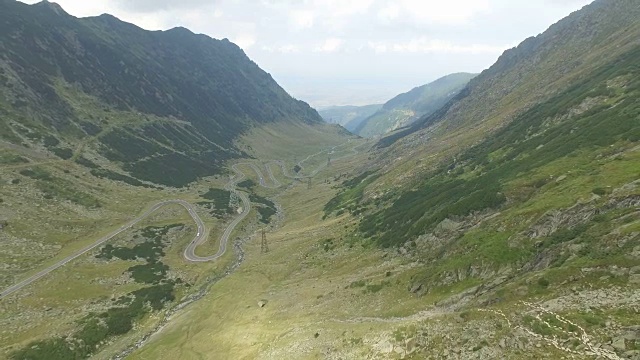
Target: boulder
[(632, 354), (619, 344), (411, 345), (634, 279), (416, 287)]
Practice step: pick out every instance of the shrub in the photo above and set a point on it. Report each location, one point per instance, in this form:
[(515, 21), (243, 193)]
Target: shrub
[(543, 282), (599, 191)]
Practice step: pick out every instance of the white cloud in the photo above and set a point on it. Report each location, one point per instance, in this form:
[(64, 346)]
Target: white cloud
[(283, 49), (378, 47), (245, 41), (150, 6), (342, 8), (302, 19), (329, 45), (437, 12), (435, 46), (389, 13), (288, 49)]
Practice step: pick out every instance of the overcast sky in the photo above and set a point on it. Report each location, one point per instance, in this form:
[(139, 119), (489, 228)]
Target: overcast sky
[(338, 52)]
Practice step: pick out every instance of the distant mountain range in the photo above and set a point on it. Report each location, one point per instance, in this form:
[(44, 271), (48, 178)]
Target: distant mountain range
[(406, 108), (350, 117)]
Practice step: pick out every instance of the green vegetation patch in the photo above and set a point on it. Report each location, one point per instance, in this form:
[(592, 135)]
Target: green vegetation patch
[(328, 245), (439, 198), (37, 173), (150, 273), (151, 249), (247, 184), (65, 190), (163, 154), (96, 329), (56, 188), (112, 175), (266, 208), (219, 204), (63, 153), (12, 159), (368, 288), (86, 163), (351, 195)]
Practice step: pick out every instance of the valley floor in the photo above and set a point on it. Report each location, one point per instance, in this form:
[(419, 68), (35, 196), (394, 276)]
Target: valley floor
[(320, 292)]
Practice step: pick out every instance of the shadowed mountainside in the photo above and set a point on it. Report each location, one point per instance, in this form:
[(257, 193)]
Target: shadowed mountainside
[(166, 106)]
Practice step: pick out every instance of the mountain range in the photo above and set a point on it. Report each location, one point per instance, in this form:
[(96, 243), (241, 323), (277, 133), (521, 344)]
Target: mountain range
[(104, 83), (350, 117), (492, 215), (408, 107)]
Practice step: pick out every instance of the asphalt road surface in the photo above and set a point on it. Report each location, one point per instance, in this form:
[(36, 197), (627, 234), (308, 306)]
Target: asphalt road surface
[(189, 252)]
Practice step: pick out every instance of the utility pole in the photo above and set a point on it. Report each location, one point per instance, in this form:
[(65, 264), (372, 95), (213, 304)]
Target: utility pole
[(329, 161), (264, 246)]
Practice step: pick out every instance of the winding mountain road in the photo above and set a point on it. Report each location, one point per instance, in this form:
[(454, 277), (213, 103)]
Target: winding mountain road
[(201, 235), (261, 178), (189, 252)]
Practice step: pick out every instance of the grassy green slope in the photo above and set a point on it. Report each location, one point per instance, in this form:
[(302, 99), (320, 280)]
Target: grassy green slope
[(537, 69), (405, 108), (591, 117), (51, 208)]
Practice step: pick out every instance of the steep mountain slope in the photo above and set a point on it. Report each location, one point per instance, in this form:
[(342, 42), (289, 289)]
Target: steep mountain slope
[(348, 116), (522, 193), (405, 108), (535, 70), (103, 123), (166, 106)]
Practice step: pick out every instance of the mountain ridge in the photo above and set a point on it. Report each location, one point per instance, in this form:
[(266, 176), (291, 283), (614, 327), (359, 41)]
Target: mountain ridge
[(403, 109), (348, 116), (554, 51), (212, 85)]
